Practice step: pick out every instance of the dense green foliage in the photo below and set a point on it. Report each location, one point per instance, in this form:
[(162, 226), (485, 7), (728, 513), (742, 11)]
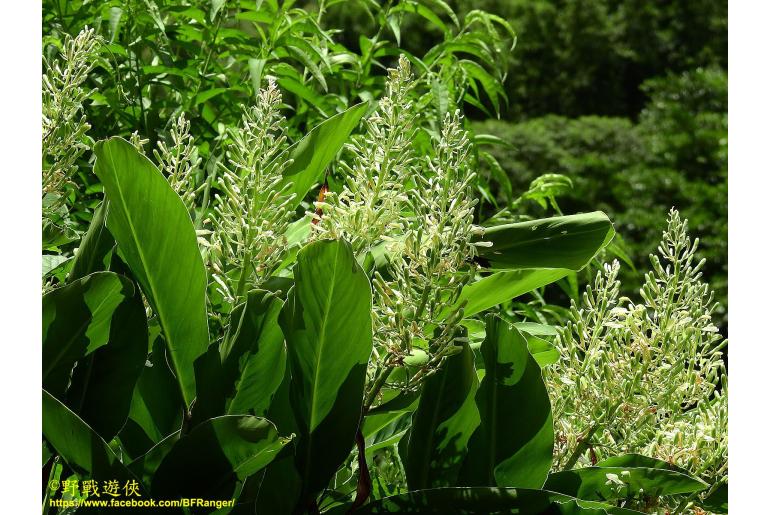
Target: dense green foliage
[(584, 57), (676, 155), (281, 267)]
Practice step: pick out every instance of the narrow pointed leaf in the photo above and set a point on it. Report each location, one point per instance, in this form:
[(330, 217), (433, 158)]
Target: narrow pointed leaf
[(95, 247), (313, 153)]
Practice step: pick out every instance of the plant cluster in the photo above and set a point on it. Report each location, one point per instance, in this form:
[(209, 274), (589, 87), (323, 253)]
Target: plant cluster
[(645, 377), (211, 332)]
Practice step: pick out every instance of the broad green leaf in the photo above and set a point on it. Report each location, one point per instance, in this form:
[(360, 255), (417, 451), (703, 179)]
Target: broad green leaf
[(256, 67), (503, 286), (607, 483), (85, 452), (255, 355), (560, 242), (203, 96), (442, 424), (544, 352), (485, 500), (207, 462), (76, 322), (94, 248), (240, 376), (157, 240), (513, 445), (313, 153), (536, 329), (328, 329), (102, 384)]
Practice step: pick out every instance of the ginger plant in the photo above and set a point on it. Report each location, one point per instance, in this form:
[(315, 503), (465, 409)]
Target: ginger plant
[(412, 217), (644, 377)]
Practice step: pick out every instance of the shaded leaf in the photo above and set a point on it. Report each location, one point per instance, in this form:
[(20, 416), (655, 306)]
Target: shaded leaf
[(103, 382), (207, 462), (442, 424), (76, 322), (86, 453), (513, 445)]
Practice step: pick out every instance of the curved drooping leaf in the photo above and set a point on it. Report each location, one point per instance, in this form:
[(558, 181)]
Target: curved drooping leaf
[(84, 451), (76, 322), (240, 375), (207, 462), (157, 240), (254, 355), (513, 445), (485, 500), (328, 329), (102, 384), (313, 153), (94, 248), (544, 352), (559, 242), (607, 483), (503, 286), (531, 255), (442, 424)]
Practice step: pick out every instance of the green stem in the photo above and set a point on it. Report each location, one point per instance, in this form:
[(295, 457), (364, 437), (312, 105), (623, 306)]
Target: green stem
[(379, 382), (581, 448)]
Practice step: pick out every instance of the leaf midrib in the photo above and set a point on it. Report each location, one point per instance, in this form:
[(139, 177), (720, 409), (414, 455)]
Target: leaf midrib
[(322, 339), (151, 285)]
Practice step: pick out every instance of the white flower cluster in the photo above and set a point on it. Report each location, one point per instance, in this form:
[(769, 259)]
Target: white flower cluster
[(381, 165), (179, 160), (64, 127), (252, 213), (646, 377), (413, 218)]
